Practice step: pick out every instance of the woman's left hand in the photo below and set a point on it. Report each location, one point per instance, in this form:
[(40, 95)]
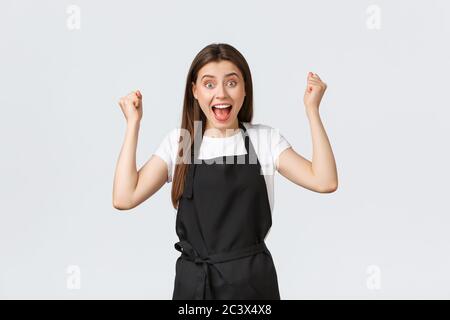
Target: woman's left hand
[(315, 89)]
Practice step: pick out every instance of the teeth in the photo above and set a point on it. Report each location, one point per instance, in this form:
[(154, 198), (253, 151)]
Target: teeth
[(222, 106)]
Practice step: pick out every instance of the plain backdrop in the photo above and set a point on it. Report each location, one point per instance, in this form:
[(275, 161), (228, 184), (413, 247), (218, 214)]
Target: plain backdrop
[(384, 234)]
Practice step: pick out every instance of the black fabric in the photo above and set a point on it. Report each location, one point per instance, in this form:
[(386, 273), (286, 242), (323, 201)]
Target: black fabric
[(222, 219)]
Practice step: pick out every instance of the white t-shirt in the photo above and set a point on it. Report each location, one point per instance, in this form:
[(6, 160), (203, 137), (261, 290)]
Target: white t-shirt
[(267, 141)]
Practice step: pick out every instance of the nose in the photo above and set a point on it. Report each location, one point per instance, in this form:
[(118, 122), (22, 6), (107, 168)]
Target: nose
[(221, 91)]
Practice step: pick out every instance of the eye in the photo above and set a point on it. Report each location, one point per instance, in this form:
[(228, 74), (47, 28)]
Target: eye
[(210, 85)]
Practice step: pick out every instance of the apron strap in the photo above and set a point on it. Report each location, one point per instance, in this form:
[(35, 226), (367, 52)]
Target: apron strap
[(195, 147), (188, 188), (204, 283)]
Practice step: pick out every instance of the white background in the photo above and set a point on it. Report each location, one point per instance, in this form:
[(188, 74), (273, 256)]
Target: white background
[(386, 112)]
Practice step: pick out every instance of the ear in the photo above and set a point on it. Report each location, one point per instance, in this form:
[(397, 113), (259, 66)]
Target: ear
[(194, 90)]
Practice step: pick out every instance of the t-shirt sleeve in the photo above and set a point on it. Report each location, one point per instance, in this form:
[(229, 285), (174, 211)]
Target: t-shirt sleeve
[(278, 144), (167, 151)]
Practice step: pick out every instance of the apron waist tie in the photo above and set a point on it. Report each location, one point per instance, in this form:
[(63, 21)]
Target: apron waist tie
[(189, 253)]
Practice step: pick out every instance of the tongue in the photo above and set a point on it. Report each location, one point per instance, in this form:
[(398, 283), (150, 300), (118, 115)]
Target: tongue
[(222, 114)]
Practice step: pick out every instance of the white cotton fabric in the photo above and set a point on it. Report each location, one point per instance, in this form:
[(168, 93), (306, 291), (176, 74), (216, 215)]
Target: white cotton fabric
[(267, 141)]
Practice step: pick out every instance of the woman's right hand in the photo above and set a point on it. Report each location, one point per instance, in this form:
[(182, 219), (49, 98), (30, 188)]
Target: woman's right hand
[(131, 106)]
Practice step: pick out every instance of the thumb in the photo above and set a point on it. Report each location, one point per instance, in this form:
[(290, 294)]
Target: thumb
[(138, 94)]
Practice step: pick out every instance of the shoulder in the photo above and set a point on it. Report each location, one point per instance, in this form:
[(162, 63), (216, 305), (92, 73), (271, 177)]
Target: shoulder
[(258, 130), (269, 138), (174, 134), (172, 137), (169, 144), (264, 135), (167, 149), (257, 126), (262, 131)]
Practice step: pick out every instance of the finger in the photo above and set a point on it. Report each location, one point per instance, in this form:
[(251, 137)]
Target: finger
[(314, 87), (319, 87), (314, 82), (133, 97), (138, 94)]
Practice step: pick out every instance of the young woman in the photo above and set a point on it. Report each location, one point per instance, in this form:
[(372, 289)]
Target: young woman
[(220, 165)]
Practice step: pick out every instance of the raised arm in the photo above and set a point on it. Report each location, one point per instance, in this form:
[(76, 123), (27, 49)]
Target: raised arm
[(320, 175), (132, 187)]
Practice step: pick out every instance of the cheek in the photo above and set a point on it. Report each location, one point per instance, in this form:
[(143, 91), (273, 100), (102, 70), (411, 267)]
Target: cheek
[(204, 106), (238, 95), (204, 96), (205, 91)]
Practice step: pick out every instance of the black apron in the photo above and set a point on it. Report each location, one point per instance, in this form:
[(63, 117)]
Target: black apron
[(222, 219)]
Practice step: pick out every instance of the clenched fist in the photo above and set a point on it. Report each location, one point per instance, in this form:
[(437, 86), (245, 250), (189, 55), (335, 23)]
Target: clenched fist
[(315, 88), (131, 106)]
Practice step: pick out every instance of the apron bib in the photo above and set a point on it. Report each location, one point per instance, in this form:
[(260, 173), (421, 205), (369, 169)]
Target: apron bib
[(222, 219)]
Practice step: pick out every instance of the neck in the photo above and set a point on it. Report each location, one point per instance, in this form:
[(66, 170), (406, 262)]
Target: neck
[(211, 131)]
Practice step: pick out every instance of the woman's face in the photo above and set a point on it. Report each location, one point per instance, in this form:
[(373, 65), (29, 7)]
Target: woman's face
[(220, 91)]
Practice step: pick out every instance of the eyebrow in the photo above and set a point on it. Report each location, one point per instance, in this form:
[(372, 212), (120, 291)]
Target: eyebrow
[(227, 75)]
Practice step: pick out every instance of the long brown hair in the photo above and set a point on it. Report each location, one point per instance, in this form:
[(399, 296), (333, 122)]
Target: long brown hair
[(192, 111)]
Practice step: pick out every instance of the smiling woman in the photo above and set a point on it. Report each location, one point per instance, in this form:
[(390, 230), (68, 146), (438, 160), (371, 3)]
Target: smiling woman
[(220, 93), (221, 166)]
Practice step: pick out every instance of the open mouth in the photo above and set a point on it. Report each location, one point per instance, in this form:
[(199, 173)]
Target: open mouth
[(222, 111)]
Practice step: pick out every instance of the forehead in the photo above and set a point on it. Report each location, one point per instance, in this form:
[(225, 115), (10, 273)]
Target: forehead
[(219, 69)]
